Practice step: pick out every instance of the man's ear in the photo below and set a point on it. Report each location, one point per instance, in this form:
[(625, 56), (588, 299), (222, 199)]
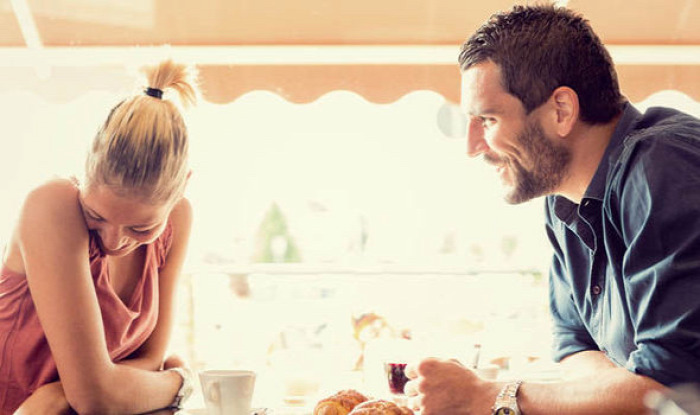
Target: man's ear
[(565, 107)]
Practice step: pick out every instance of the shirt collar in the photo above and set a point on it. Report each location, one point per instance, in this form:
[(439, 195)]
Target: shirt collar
[(566, 209), (596, 189)]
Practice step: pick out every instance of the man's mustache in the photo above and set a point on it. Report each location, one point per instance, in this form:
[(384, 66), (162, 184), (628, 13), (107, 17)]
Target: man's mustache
[(494, 160)]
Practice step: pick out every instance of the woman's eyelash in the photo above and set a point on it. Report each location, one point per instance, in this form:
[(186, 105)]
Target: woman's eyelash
[(94, 218)]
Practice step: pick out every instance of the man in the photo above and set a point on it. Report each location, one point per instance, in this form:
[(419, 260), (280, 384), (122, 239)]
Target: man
[(622, 213)]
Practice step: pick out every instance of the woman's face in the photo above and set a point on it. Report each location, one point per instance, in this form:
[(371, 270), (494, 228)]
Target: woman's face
[(123, 223)]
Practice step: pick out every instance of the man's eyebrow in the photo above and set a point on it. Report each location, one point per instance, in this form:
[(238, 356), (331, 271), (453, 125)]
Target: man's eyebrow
[(490, 111), (485, 111)]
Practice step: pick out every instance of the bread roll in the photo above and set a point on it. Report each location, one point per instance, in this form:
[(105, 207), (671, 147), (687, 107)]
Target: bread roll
[(380, 407), (339, 404)]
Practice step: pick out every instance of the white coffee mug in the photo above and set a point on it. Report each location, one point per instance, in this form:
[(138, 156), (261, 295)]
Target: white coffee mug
[(227, 392)]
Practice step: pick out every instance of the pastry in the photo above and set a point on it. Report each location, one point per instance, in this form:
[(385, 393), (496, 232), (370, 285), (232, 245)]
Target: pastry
[(339, 404), (380, 407)]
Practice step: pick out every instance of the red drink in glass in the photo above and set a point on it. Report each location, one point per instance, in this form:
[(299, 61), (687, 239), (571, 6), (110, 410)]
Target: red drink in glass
[(396, 376)]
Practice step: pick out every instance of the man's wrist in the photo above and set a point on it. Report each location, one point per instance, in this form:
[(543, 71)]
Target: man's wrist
[(507, 399)]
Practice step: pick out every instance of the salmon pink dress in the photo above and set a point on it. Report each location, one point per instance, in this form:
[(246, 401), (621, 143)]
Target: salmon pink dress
[(25, 358)]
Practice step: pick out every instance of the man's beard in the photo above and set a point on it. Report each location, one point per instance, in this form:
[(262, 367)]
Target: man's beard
[(549, 162)]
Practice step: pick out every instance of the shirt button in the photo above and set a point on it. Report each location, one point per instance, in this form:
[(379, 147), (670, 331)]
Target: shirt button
[(596, 289)]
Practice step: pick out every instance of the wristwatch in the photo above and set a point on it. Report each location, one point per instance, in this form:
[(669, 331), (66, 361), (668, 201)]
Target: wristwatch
[(186, 388), (507, 401)]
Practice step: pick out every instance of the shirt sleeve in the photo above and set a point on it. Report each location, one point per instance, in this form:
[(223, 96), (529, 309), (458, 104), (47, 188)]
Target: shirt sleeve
[(569, 334), (659, 218)]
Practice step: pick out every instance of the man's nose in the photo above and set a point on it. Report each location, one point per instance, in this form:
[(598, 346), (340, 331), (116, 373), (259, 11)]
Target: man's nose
[(475, 138)]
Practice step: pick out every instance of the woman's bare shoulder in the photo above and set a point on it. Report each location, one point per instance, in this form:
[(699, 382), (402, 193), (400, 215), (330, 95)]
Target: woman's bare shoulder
[(58, 190), (49, 212), (54, 203), (181, 216)]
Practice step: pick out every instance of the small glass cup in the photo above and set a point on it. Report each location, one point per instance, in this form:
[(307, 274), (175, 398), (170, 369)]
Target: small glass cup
[(396, 377), (395, 373)]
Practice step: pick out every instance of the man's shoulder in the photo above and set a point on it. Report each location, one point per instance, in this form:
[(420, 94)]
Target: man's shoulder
[(661, 148), (662, 123), (660, 135)]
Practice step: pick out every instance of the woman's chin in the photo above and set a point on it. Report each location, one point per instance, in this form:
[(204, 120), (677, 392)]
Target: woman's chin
[(118, 252)]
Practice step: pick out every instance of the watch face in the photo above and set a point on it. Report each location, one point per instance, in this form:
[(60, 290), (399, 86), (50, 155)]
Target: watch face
[(504, 411)]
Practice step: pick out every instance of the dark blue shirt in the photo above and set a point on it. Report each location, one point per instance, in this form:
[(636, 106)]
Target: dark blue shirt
[(625, 277)]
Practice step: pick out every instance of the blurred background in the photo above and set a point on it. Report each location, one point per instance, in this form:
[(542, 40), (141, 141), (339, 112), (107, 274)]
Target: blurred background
[(338, 221)]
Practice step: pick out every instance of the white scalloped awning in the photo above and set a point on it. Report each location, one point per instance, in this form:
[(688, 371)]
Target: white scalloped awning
[(306, 48)]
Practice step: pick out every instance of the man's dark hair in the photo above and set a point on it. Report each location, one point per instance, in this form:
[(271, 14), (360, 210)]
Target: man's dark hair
[(540, 48)]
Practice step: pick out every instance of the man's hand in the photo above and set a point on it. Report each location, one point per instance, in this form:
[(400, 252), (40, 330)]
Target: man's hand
[(49, 399), (446, 387)]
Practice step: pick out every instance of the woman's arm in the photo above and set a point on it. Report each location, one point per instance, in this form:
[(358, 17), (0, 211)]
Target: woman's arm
[(54, 242), (48, 399), (152, 353)]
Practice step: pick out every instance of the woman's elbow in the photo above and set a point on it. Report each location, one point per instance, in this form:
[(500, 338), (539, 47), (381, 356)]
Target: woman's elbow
[(90, 400), (84, 406)]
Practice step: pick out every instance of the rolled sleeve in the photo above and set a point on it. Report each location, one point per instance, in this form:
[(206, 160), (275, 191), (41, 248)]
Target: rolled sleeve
[(569, 334)]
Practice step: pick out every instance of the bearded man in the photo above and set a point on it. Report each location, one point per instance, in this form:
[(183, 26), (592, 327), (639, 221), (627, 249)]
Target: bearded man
[(622, 203)]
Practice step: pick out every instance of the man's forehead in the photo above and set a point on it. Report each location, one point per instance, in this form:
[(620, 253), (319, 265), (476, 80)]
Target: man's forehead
[(478, 85), (483, 92)]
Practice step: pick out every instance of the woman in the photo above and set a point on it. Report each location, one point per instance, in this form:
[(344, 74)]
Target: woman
[(88, 278)]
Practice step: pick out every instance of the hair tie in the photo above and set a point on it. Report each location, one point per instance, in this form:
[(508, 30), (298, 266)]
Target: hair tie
[(154, 92)]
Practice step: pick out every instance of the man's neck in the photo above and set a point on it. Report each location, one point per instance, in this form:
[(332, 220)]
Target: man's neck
[(588, 144)]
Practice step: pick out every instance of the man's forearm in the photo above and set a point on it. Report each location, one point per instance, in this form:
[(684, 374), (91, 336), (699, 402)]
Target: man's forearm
[(585, 363), (608, 389)]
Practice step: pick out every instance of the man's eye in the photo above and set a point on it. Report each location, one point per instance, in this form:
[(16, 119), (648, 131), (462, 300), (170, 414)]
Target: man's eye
[(486, 121)]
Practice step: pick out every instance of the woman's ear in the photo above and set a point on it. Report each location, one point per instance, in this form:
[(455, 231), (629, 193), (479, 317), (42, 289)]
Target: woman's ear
[(565, 105)]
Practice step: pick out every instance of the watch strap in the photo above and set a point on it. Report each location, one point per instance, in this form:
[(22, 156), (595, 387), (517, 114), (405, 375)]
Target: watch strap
[(186, 388), (507, 399)]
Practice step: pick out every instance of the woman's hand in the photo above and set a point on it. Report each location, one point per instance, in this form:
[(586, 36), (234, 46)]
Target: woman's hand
[(173, 361), (49, 399)]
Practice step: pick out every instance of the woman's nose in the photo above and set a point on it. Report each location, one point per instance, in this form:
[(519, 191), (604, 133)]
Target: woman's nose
[(111, 237)]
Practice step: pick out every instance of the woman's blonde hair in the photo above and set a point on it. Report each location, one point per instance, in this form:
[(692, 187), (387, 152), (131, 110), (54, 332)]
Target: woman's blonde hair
[(142, 148)]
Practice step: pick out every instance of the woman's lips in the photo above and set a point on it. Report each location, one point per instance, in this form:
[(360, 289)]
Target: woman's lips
[(114, 251)]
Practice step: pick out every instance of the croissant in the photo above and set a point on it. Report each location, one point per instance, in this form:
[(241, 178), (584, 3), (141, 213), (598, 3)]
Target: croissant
[(380, 407), (340, 403)]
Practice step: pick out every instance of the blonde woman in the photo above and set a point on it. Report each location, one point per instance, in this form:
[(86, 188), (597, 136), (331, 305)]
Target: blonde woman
[(88, 279)]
